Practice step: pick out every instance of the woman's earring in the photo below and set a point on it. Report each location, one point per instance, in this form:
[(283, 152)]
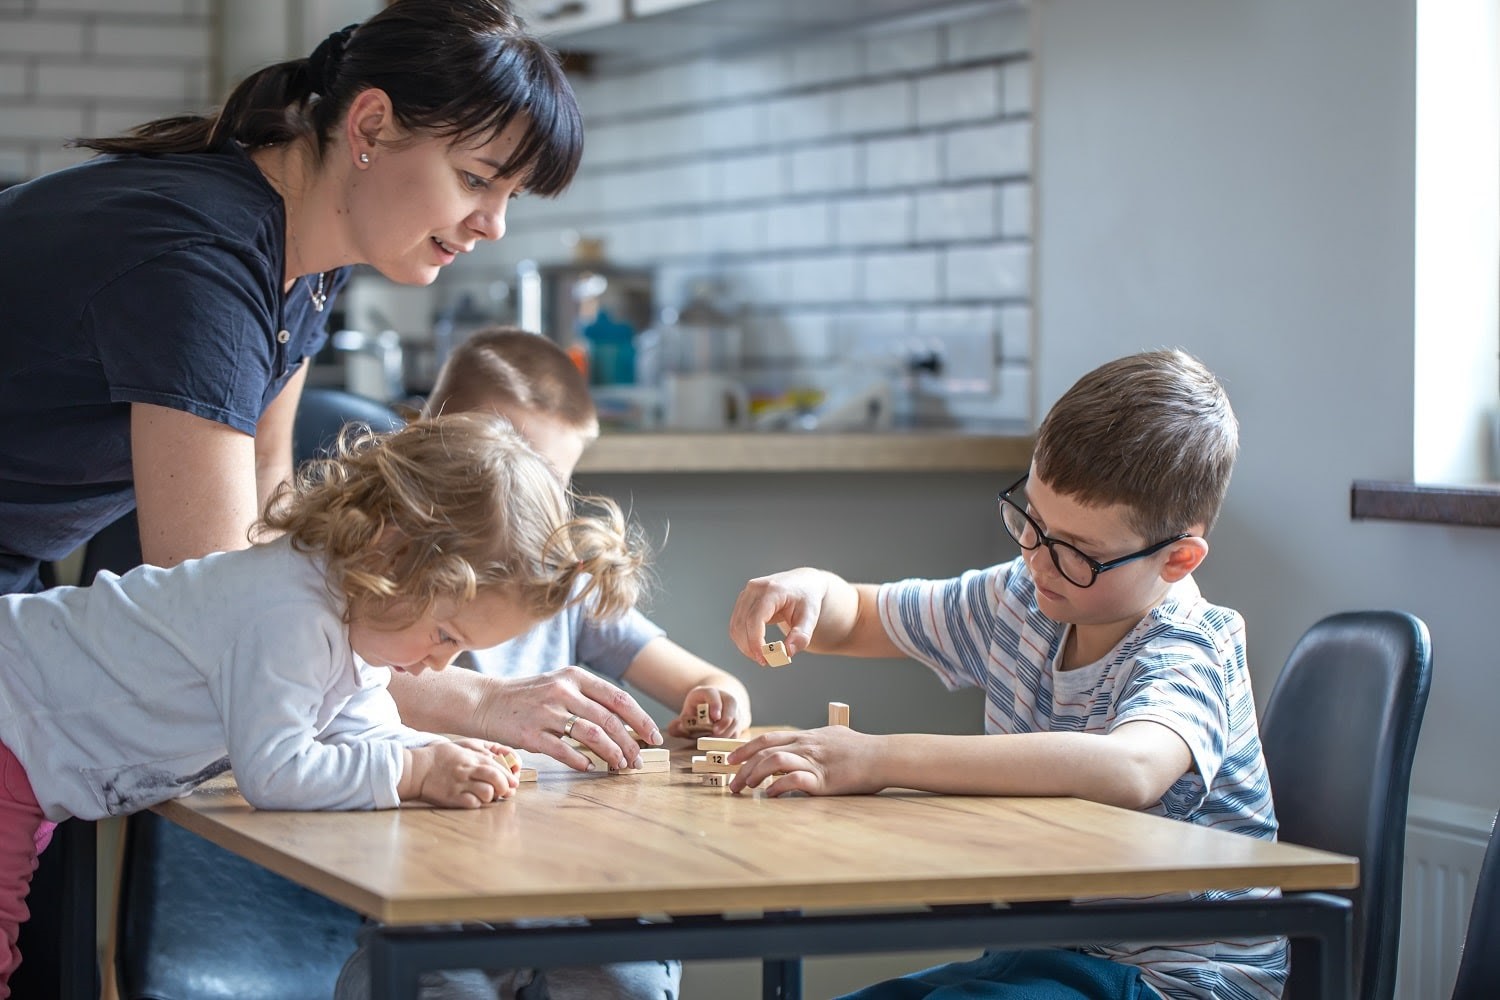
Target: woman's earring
[(364, 157)]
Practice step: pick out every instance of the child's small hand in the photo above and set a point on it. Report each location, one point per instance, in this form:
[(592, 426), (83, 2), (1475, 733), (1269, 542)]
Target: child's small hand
[(508, 758), (829, 761), (728, 716), (457, 774)]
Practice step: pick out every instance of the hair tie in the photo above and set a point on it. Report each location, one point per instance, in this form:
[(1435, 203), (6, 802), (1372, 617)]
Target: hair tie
[(323, 64)]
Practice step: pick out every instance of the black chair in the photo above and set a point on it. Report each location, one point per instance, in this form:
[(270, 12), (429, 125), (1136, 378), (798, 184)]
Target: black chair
[(1479, 967), (323, 413), (1339, 734), (196, 922)]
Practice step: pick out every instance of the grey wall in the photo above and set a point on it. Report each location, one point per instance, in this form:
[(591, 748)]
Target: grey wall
[(721, 530), (1237, 179)]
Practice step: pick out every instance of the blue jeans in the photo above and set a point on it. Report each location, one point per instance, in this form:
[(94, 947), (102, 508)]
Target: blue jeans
[(620, 981), (1038, 974)]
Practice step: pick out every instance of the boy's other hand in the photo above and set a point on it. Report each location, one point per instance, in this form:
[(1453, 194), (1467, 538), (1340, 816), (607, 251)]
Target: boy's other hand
[(834, 760), (457, 775), (724, 711), (793, 601)]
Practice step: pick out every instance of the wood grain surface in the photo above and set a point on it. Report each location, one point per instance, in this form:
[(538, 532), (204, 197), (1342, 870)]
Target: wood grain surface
[(601, 845)]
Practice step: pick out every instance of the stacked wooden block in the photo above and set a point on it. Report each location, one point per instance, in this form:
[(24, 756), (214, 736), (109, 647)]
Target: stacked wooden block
[(714, 764)]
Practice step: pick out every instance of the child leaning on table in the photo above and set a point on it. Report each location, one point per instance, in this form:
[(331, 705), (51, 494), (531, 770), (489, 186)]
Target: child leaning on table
[(532, 382), (398, 552), (1107, 675)]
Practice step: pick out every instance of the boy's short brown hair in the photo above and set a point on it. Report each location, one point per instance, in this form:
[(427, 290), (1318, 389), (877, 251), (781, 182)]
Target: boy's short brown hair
[(504, 366), (1153, 431)]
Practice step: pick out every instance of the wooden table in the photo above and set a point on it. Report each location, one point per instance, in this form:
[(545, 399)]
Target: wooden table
[(745, 875)]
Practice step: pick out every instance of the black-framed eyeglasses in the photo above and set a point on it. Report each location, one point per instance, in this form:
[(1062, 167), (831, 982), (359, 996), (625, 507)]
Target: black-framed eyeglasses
[(1078, 568)]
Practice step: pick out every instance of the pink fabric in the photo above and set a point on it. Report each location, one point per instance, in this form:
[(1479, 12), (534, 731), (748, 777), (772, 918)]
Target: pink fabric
[(24, 833)]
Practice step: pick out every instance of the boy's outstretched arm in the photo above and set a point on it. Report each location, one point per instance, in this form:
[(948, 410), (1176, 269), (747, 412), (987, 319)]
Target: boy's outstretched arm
[(1131, 767), (677, 678), (816, 610)]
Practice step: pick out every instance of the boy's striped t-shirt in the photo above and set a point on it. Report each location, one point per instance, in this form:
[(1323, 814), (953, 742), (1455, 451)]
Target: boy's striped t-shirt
[(1182, 666)]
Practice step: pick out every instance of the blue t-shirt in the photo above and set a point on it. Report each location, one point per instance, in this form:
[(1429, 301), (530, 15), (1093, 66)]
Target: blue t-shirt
[(126, 279), (575, 635)]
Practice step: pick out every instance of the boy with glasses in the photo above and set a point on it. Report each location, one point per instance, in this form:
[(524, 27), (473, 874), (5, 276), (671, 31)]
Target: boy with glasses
[(1108, 676)]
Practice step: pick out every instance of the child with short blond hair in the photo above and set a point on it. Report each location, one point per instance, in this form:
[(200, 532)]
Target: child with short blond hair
[(1107, 675), (397, 553), (533, 383)]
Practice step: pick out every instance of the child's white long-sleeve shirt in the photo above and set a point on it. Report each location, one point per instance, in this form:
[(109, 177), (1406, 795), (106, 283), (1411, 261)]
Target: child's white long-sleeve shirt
[(139, 688)]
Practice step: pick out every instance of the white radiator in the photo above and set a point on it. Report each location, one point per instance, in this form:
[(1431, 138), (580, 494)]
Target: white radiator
[(1444, 848)]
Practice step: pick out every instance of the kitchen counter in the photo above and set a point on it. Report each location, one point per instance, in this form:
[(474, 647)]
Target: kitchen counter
[(864, 451)]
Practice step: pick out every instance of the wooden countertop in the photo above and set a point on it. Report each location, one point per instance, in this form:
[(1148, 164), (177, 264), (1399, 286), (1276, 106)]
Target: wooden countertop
[(729, 451)]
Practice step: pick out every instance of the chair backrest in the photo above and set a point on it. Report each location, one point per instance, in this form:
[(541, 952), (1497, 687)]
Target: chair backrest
[(1479, 968), (323, 412), (1339, 733)]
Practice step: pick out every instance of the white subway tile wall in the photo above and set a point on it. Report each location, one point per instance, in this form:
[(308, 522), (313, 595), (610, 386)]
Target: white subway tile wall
[(71, 68), (863, 192)]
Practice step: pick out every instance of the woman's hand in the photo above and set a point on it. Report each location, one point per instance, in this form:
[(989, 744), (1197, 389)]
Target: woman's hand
[(456, 774), (725, 711), (834, 760), (792, 600), (536, 713)]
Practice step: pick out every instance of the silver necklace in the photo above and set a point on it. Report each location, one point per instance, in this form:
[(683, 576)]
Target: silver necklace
[(319, 292)]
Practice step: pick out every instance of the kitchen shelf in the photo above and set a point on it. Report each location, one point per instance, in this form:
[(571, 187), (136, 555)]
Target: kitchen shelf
[(865, 451)]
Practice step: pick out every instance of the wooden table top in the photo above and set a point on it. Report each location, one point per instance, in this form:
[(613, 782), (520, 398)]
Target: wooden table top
[(600, 845)]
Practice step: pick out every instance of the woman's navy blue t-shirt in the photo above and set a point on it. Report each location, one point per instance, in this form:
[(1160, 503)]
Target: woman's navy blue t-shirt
[(131, 279)]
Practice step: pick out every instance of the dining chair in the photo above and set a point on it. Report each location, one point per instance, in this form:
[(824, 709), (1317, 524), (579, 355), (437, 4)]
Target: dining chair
[(197, 922), (1339, 733), (1479, 965)]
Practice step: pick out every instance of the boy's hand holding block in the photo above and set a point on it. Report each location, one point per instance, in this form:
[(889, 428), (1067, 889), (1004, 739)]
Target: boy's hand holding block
[(775, 654)]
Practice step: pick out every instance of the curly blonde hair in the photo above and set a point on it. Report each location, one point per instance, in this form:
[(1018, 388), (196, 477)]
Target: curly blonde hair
[(447, 507)]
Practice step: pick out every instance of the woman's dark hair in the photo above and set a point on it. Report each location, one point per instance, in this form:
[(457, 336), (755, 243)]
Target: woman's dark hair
[(460, 69)]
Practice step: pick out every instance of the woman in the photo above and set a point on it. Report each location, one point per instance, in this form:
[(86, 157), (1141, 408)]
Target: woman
[(162, 300)]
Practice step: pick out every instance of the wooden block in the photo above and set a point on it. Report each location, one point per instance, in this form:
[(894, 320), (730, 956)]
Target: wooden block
[(838, 713), (510, 760), (526, 774), (702, 765), (647, 767), (718, 756), (703, 719), (720, 743), (653, 759), (775, 654), (716, 780)]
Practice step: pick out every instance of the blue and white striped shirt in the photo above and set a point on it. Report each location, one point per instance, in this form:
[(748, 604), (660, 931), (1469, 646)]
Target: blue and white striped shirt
[(1182, 666)]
